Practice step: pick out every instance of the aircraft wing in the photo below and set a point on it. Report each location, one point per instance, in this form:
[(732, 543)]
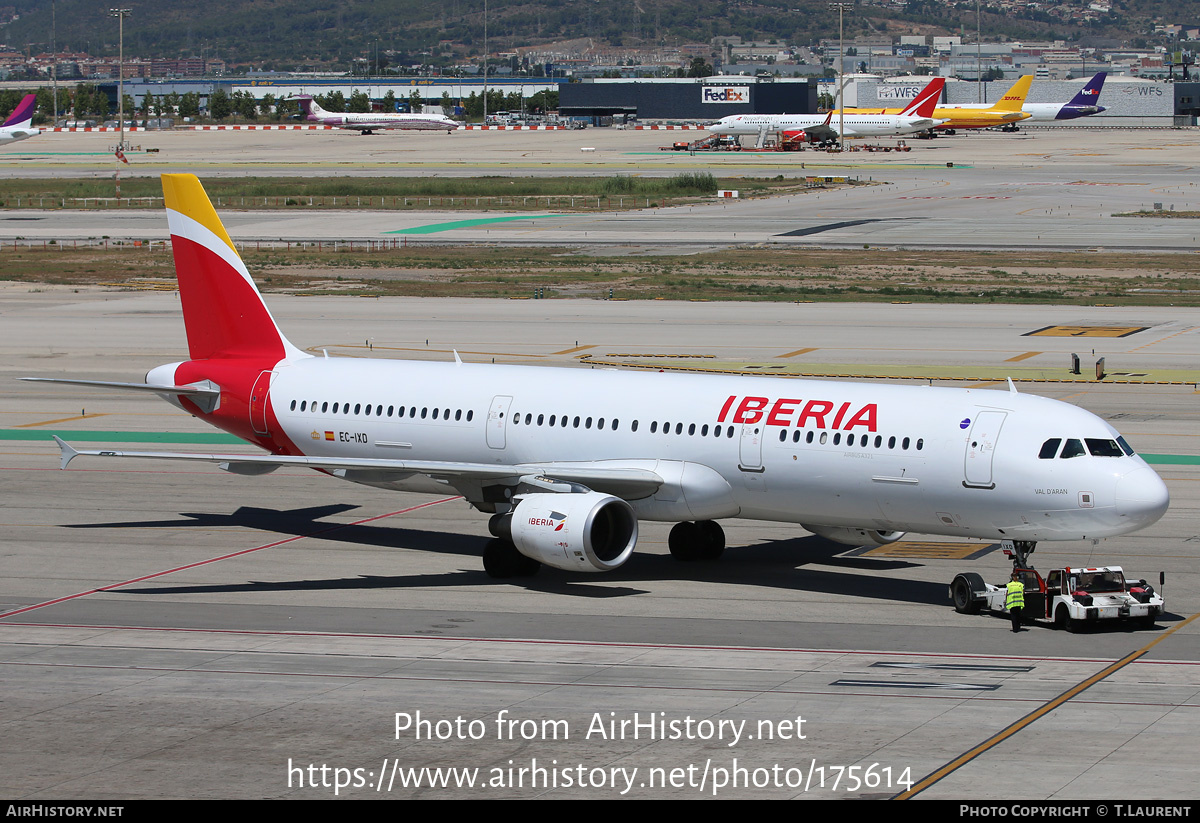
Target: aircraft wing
[(625, 482)]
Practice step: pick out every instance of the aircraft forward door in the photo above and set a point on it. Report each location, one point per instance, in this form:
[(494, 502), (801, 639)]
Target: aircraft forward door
[(259, 396), (750, 448), (497, 420), (981, 447)]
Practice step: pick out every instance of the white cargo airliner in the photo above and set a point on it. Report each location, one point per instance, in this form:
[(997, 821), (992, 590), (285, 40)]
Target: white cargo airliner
[(569, 460), (916, 116)]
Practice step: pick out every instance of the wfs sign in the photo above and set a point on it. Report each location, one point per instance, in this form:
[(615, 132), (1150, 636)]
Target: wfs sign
[(711, 94)]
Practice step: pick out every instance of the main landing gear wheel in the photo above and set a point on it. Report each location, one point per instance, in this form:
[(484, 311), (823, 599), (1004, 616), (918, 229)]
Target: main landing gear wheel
[(501, 560), (702, 540)]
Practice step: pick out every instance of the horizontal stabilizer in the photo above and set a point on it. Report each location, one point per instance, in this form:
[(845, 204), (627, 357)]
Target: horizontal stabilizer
[(205, 395)]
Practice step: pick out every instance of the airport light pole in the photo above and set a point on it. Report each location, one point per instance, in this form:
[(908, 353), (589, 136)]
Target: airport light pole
[(121, 14), (840, 102)]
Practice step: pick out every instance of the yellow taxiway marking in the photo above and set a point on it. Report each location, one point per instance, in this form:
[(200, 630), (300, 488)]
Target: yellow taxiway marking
[(1038, 713), (796, 352), (1160, 340), (60, 420), (984, 384), (1021, 357), (1085, 331), (572, 351), (930, 550)]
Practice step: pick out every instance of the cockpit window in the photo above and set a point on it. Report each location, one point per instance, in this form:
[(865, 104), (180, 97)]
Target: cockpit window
[(1050, 448), (1098, 447), (1074, 448), (1125, 446)]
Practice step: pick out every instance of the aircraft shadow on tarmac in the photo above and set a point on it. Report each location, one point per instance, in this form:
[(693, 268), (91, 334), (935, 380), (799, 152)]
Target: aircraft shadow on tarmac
[(777, 564)]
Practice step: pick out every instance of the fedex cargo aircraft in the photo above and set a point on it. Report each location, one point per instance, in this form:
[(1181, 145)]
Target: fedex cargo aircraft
[(567, 461)]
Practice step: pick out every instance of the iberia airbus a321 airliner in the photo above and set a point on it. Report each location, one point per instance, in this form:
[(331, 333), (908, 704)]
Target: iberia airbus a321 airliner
[(567, 461)]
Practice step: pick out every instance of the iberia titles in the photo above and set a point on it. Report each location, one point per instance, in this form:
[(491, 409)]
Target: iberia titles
[(791, 411)]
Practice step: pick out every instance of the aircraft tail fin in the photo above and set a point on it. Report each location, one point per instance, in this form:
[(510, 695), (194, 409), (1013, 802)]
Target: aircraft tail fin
[(1014, 98), (925, 102), (22, 115), (309, 107), (223, 312), (1089, 95)]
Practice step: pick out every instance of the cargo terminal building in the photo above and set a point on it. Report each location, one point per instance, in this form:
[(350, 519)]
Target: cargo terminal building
[(688, 99)]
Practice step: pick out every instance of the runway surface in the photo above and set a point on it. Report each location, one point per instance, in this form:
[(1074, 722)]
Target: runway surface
[(182, 632)]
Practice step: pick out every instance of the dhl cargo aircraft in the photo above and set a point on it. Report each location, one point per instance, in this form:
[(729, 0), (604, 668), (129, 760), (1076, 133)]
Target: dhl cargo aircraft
[(567, 461), (1005, 112)]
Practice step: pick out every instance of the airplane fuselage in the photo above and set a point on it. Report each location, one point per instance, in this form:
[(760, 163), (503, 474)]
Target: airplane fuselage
[(371, 122), (854, 125), (961, 462)]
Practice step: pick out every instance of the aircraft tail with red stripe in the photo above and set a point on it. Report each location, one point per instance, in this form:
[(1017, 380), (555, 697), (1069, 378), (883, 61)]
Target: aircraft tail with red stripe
[(223, 311), (925, 102)]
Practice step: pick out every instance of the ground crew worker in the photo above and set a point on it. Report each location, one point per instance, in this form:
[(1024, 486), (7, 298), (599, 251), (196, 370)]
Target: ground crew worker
[(1015, 600)]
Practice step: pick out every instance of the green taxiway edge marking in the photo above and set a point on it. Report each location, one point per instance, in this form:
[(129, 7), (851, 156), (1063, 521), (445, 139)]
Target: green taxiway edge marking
[(120, 437), (1172, 459), (432, 228)]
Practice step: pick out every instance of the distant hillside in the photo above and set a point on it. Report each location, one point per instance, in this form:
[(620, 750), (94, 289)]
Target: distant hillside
[(333, 33)]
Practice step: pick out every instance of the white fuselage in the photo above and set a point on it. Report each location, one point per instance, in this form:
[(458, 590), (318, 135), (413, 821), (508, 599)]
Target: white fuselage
[(851, 125), (961, 462), (13, 134), (366, 121)]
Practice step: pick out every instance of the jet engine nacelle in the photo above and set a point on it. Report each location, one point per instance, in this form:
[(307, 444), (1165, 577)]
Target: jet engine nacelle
[(588, 532), (855, 537)]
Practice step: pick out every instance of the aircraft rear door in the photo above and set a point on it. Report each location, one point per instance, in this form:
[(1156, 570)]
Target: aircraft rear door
[(981, 446), (258, 402)]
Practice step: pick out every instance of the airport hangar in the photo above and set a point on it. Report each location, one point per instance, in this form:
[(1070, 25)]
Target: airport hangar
[(1128, 101)]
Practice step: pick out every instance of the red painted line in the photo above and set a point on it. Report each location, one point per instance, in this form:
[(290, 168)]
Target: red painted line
[(588, 643), (285, 541)]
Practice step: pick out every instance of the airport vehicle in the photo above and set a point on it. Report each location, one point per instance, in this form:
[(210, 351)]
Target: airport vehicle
[(714, 142), (1069, 597), (1083, 104), (569, 460), (816, 128), (370, 122), (19, 124), (1005, 113)]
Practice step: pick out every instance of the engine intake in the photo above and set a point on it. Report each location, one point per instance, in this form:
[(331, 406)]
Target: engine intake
[(589, 532)]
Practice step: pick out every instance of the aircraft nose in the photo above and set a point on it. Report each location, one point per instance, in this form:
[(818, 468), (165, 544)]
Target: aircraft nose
[(1142, 496)]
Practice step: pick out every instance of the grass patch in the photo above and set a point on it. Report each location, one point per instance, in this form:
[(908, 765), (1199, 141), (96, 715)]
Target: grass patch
[(772, 274), (387, 193)]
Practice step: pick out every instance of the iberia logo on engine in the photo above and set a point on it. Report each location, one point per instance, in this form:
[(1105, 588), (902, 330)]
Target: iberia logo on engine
[(726, 95), (556, 520)]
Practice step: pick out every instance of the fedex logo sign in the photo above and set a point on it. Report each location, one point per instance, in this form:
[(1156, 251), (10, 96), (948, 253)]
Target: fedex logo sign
[(727, 95)]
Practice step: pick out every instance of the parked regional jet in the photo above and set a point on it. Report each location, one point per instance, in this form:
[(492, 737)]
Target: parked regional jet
[(1081, 105), (917, 116), (368, 122), (567, 461), (19, 125)]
